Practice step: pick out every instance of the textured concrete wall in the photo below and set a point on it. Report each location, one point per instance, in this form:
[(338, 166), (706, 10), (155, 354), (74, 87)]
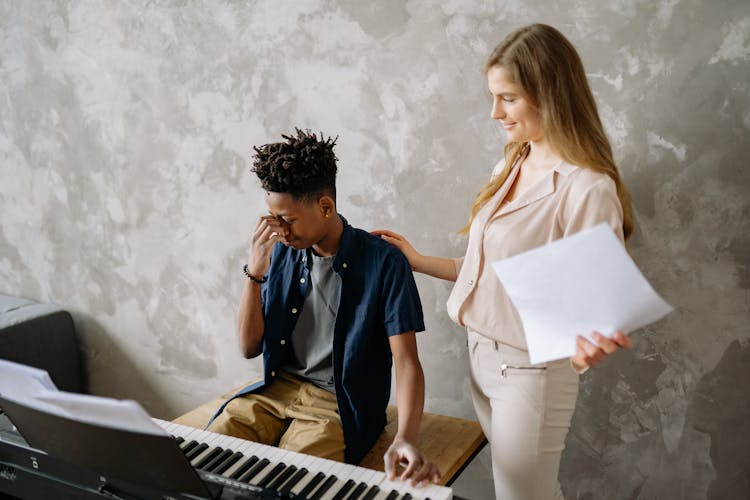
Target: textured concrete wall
[(125, 195)]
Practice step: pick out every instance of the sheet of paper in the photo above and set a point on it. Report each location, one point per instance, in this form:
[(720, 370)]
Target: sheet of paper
[(17, 379), (117, 413), (574, 286), (22, 382), (33, 387)]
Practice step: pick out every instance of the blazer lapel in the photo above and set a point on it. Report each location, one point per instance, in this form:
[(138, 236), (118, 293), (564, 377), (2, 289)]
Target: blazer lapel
[(497, 200), (542, 189)]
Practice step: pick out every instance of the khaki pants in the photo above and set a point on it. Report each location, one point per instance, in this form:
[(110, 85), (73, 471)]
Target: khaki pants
[(525, 412), (289, 413)]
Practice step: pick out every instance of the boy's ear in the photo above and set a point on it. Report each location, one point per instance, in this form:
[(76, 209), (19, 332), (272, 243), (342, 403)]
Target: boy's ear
[(326, 205)]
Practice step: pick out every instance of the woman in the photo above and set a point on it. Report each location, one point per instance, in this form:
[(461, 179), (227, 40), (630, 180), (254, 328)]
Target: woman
[(557, 178)]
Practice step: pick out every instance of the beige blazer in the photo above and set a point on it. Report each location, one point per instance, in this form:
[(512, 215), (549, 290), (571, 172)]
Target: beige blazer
[(567, 200)]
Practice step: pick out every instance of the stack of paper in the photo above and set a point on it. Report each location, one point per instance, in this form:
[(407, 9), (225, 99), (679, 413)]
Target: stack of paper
[(33, 387)]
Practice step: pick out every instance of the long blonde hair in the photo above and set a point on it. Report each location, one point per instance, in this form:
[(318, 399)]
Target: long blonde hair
[(547, 67)]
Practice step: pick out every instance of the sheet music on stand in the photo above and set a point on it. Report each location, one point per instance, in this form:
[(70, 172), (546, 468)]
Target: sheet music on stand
[(134, 457), (33, 387)]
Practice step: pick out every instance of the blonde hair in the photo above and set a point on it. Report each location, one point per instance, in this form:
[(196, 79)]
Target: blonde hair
[(547, 67)]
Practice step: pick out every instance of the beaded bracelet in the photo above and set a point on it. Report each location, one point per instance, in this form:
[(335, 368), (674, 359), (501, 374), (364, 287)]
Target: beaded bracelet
[(253, 278)]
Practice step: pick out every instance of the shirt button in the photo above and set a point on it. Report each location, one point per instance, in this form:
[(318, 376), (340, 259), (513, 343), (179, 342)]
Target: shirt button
[(471, 282), (283, 341), (302, 280), (343, 265), (294, 310), (273, 374)]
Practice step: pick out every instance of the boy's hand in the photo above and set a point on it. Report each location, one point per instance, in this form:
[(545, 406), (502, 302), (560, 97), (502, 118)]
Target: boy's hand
[(268, 231), (417, 468)]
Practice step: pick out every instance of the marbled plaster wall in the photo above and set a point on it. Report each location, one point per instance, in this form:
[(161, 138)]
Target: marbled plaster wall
[(125, 193)]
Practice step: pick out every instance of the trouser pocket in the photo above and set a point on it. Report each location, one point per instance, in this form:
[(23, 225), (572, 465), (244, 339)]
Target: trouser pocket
[(506, 369)]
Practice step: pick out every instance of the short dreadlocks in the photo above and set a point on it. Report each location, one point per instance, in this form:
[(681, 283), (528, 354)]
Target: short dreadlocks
[(302, 166)]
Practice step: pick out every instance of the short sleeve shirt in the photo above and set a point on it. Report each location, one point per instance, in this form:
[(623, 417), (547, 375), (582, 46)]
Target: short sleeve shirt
[(378, 299)]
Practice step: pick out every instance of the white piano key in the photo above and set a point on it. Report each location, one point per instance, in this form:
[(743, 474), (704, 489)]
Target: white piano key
[(344, 471), (382, 494), (184, 435), (302, 483), (364, 475), (194, 462), (360, 475)]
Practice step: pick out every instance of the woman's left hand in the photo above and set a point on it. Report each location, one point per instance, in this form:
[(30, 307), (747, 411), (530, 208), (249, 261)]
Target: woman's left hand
[(589, 354)]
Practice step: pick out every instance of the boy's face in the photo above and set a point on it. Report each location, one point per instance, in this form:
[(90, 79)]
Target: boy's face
[(305, 220)]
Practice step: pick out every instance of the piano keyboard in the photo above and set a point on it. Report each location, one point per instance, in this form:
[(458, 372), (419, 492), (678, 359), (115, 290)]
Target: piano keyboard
[(232, 461)]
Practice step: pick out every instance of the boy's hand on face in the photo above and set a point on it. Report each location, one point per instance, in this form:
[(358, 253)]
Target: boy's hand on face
[(268, 231), (417, 468)]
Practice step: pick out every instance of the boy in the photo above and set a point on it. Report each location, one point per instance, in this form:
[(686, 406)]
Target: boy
[(330, 308)]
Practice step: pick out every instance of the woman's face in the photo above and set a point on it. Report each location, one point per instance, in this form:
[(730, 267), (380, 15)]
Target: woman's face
[(521, 120)]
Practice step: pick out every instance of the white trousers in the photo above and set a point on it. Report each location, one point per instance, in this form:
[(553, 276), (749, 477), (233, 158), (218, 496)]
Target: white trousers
[(525, 412)]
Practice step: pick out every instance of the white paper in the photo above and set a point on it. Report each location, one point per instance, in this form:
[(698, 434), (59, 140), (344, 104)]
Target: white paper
[(576, 285), (32, 387), (115, 413)]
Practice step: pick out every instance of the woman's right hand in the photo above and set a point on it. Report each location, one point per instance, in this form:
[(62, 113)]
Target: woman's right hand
[(402, 244), (268, 232)]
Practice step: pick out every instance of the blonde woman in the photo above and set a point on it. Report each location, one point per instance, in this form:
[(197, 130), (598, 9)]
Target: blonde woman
[(557, 177)]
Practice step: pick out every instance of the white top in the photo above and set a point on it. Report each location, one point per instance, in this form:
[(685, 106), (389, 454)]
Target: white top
[(565, 201)]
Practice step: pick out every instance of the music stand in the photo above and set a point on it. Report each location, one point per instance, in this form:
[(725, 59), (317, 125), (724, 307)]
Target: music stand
[(123, 459)]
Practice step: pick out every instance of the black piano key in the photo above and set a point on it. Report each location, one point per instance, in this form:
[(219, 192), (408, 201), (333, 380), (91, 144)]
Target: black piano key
[(270, 476), (287, 487), (244, 467), (179, 439), (216, 460), (393, 495), (407, 497), (341, 494), (254, 470), (186, 447), (315, 481), (371, 493), (356, 492), (279, 480), (318, 494), (201, 464), (196, 451), (226, 464)]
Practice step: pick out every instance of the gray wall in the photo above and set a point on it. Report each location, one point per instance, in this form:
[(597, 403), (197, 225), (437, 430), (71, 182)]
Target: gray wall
[(125, 193)]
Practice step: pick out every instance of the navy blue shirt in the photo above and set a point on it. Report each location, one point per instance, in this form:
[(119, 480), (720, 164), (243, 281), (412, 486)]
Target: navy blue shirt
[(379, 298)]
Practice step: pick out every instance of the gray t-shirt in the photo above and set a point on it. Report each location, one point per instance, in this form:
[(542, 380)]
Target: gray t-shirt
[(312, 338)]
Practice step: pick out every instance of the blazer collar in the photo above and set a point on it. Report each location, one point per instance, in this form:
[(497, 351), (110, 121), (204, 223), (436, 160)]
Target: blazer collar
[(540, 190)]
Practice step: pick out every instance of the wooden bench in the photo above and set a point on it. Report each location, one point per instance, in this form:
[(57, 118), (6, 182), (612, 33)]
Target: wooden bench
[(449, 442)]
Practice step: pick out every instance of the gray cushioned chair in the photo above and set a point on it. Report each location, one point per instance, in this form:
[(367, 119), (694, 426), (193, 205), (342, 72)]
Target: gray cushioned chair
[(43, 336)]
